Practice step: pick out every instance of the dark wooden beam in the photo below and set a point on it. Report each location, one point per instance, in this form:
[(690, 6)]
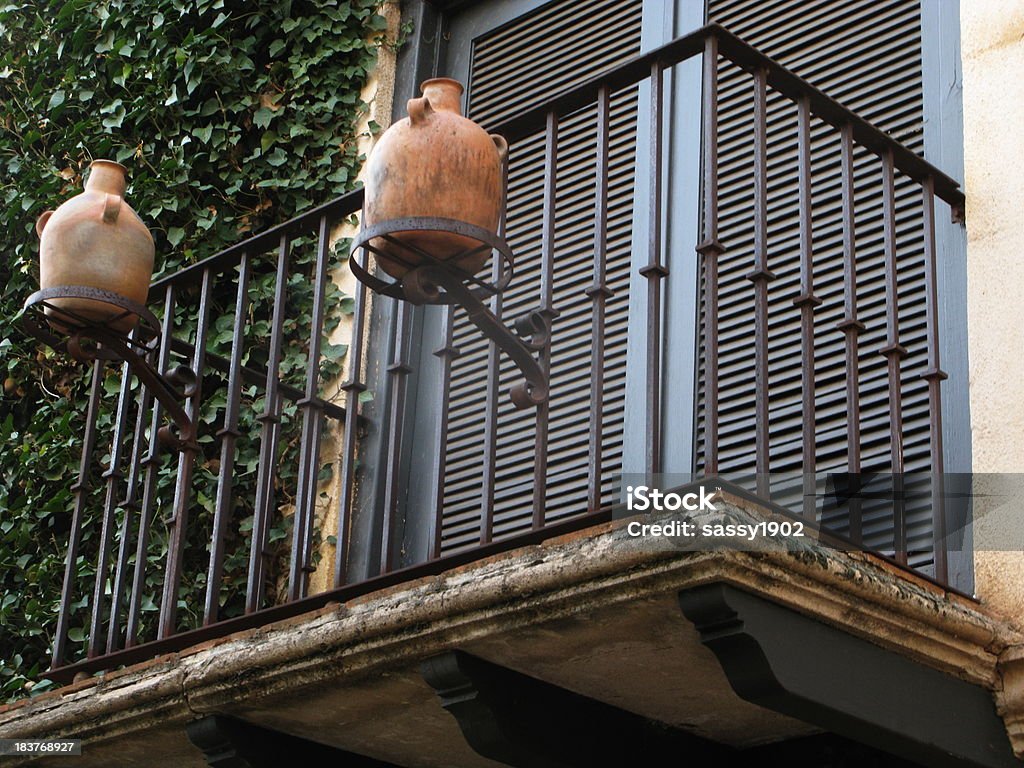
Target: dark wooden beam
[(784, 661), (227, 742), (521, 721)]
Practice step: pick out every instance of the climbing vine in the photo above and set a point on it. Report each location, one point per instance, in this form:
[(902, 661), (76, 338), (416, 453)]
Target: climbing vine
[(231, 116)]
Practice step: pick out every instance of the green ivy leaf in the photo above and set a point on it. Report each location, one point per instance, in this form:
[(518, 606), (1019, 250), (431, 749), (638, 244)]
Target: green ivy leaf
[(175, 235), (277, 158), (335, 351)]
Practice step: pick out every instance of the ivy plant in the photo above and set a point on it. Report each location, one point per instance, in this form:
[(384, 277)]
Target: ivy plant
[(230, 116)]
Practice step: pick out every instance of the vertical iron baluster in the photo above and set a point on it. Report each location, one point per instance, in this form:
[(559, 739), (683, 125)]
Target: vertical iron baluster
[(228, 434), (448, 352), (269, 432), (490, 456), (312, 416), (493, 376), (540, 467), (186, 465), (353, 388), (599, 293), (894, 353), (654, 272), (149, 492), (760, 277), (934, 375), (80, 490), (710, 249), (112, 476), (398, 373), (807, 302), (851, 328), (131, 510)]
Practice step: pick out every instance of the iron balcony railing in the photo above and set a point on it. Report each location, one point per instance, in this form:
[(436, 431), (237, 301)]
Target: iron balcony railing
[(162, 549)]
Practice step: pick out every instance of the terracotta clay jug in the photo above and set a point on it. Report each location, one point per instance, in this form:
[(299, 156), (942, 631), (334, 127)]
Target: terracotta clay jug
[(95, 239), (435, 163)]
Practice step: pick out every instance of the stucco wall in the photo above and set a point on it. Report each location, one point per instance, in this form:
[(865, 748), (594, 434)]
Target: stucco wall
[(379, 95), (992, 40)]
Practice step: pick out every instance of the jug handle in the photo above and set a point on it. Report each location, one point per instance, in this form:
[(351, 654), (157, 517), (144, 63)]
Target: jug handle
[(502, 145), (111, 207), (41, 222), (418, 109)]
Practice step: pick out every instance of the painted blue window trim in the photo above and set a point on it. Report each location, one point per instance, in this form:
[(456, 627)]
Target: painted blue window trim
[(663, 21), (944, 148)]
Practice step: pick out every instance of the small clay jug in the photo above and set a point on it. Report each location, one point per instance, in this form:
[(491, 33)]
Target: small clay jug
[(434, 163), (95, 239)]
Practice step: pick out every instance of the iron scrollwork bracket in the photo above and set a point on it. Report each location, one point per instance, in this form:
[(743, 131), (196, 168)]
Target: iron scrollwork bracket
[(433, 281), (88, 339), (421, 287)]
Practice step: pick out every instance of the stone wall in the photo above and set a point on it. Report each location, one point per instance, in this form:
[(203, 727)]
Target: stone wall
[(379, 95), (992, 40)]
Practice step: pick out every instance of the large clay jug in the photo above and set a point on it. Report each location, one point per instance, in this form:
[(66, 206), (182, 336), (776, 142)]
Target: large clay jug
[(95, 239), (435, 163)]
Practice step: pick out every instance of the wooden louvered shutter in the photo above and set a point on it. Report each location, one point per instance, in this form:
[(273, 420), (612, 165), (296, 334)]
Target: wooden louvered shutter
[(513, 68), (866, 54)]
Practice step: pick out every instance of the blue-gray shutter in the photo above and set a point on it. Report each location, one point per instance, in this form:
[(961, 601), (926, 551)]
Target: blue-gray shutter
[(867, 55), (514, 67)]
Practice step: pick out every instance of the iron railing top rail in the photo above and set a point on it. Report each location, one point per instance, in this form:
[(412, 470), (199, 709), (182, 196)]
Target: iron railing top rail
[(568, 101), (743, 54), (341, 206)]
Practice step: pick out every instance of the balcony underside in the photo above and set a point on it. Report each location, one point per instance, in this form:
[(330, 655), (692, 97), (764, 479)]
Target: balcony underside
[(595, 612)]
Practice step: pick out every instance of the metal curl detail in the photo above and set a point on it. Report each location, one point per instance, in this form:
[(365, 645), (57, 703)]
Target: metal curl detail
[(112, 344), (420, 286), (78, 352), (435, 281)]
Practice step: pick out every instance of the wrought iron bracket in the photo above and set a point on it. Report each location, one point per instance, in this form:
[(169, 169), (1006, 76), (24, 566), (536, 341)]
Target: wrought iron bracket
[(87, 339), (430, 280)]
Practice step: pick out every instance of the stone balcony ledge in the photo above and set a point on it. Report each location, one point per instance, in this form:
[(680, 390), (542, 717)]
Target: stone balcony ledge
[(564, 611)]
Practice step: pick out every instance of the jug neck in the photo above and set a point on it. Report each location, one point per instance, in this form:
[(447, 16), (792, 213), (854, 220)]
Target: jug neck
[(107, 176), (444, 94)]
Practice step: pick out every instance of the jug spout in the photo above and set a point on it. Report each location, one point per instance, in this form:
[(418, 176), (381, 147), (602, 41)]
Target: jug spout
[(444, 94), (107, 176)]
